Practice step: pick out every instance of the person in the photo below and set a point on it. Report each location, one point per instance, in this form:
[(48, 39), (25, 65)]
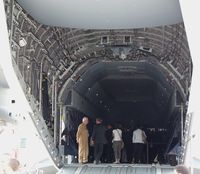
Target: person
[(138, 140), (69, 142), (108, 150), (82, 140), (127, 137), (181, 169), (117, 143), (98, 139)]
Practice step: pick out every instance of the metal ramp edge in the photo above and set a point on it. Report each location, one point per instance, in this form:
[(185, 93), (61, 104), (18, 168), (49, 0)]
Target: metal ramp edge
[(117, 169)]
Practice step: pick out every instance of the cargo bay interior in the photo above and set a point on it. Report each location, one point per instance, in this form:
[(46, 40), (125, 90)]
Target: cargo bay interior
[(133, 76), (131, 93)]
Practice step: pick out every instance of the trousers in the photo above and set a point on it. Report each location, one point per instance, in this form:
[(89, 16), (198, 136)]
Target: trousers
[(83, 151), (98, 151), (117, 148)]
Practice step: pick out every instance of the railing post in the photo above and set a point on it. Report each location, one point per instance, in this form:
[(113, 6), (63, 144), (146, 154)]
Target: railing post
[(61, 118), (56, 119), (55, 111), (40, 89), (182, 127)]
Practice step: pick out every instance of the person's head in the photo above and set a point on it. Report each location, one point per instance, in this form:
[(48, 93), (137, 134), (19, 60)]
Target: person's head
[(109, 126), (85, 120), (118, 126), (99, 120), (14, 164), (181, 169), (138, 127)]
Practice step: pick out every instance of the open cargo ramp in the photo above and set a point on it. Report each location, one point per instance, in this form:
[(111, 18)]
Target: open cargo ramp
[(117, 169)]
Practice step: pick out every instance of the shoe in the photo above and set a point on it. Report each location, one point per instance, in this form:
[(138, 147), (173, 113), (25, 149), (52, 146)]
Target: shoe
[(97, 162)]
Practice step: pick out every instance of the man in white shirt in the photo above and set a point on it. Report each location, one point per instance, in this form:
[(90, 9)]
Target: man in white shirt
[(138, 140)]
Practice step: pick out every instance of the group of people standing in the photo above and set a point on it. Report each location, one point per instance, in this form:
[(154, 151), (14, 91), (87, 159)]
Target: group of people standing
[(99, 140)]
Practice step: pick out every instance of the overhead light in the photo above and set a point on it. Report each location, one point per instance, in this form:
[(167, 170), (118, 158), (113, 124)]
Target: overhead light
[(22, 42), (146, 49), (140, 37)]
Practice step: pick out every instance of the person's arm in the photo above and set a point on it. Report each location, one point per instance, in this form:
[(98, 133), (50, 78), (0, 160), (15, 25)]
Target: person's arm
[(121, 134), (64, 132), (93, 133), (113, 135), (78, 134), (144, 134), (144, 137), (133, 138), (93, 136)]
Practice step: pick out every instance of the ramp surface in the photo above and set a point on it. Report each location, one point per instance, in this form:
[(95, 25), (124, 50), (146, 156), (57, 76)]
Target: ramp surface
[(116, 169)]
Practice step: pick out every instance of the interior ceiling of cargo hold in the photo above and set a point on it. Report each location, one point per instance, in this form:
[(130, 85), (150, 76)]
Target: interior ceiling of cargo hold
[(126, 91)]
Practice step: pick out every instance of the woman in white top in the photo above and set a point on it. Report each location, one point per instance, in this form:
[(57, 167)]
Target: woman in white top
[(117, 143)]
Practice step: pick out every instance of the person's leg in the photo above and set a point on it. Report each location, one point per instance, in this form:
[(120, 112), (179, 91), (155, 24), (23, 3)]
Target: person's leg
[(144, 154), (104, 156), (110, 154), (115, 150), (129, 153), (118, 151), (85, 152), (95, 151), (136, 155), (140, 149), (133, 153), (80, 153), (99, 153)]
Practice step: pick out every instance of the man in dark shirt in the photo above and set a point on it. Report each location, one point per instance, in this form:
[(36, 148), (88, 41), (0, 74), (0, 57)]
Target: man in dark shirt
[(127, 137), (108, 150), (99, 139)]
